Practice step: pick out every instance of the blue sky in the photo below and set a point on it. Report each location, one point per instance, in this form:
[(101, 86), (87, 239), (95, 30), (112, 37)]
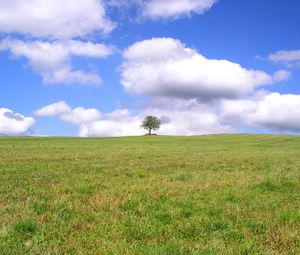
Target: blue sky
[(97, 68)]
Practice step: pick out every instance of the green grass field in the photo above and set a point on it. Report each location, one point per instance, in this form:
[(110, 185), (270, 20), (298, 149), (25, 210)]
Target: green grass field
[(219, 194)]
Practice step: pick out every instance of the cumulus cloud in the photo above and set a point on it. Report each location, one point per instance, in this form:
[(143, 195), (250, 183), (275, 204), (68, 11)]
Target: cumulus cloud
[(54, 18), (81, 115), (271, 111), (187, 117), (189, 120), (14, 123), (288, 58), (62, 110), (92, 122), (274, 111), (53, 59), (175, 8), (68, 19), (166, 67), (50, 25), (117, 123), (55, 109), (174, 122)]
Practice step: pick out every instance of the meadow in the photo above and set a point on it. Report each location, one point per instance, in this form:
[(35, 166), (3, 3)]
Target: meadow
[(158, 195)]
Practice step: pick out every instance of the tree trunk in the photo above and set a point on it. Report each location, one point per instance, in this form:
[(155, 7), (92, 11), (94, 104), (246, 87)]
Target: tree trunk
[(149, 131)]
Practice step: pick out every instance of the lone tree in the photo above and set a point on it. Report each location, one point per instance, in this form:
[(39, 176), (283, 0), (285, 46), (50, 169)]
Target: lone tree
[(151, 123)]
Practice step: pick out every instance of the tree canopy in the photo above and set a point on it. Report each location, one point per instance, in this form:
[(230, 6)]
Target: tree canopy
[(151, 123)]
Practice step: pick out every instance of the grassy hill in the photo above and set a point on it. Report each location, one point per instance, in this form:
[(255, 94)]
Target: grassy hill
[(217, 194)]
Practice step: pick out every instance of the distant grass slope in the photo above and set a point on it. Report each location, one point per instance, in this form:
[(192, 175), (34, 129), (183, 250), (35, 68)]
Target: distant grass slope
[(218, 194)]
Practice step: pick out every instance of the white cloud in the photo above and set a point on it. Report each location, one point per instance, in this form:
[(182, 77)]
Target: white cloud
[(288, 58), (54, 18), (165, 67), (81, 115), (175, 8), (91, 122), (50, 25), (14, 123), (193, 121), (272, 111), (52, 59), (158, 9), (55, 109), (174, 122), (120, 122), (187, 117), (111, 128), (62, 110)]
